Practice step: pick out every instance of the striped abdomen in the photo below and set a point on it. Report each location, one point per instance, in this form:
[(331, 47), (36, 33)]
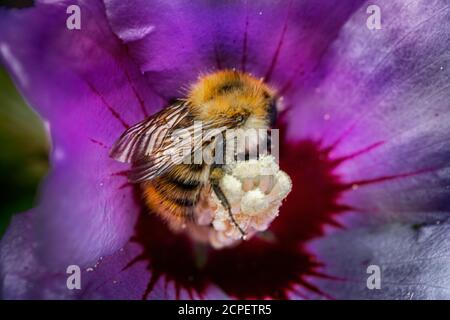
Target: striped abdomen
[(174, 194)]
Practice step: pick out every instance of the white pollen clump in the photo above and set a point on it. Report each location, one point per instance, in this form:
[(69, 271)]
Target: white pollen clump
[(253, 202), (233, 188), (255, 190)]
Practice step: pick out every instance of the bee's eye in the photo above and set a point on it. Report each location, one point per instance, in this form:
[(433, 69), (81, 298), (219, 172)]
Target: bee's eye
[(273, 112)]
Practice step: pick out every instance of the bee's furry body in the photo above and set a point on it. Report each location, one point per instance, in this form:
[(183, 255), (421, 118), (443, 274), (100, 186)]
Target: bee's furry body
[(177, 192), (225, 99)]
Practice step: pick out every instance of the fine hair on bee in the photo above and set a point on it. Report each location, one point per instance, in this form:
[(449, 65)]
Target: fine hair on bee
[(221, 101)]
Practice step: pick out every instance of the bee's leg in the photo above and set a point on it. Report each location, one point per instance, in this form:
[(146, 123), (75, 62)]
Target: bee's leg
[(219, 193), (215, 176)]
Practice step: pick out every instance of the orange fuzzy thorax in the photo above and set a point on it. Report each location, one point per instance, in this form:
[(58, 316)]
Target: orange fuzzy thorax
[(229, 94)]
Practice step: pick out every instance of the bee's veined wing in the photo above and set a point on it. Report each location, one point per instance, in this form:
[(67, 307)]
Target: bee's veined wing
[(147, 136), (176, 149), (156, 144)]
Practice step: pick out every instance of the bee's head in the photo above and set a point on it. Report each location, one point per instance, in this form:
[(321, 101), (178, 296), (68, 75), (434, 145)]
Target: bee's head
[(235, 98)]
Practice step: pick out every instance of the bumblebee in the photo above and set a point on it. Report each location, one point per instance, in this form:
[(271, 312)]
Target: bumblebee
[(222, 100)]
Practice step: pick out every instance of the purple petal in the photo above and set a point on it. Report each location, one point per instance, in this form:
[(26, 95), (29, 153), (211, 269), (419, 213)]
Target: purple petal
[(383, 107), (23, 276), (381, 104), (377, 98), (84, 85), (413, 262), (173, 42)]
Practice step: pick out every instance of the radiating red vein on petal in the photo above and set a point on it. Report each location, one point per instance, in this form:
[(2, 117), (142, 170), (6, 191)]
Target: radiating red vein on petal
[(101, 144), (137, 95), (358, 153), (244, 42), (113, 112), (298, 71), (122, 173), (276, 54), (388, 178)]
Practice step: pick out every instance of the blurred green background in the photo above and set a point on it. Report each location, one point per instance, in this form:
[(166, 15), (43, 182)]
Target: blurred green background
[(24, 152)]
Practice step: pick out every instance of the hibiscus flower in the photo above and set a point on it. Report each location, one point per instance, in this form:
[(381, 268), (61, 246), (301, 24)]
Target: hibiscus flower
[(365, 137)]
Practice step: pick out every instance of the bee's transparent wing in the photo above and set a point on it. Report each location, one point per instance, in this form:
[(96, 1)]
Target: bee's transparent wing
[(160, 142), (147, 136)]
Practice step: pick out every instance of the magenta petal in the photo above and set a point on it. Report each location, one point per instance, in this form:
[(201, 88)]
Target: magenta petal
[(85, 87)]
